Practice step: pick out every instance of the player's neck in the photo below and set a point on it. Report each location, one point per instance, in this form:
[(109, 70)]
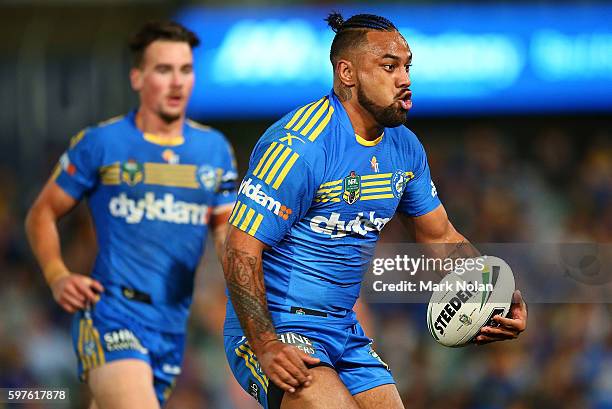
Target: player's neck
[(363, 122), (150, 122)]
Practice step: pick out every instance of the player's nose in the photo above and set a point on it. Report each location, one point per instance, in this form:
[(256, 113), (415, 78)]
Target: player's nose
[(403, 80), (177, 79)]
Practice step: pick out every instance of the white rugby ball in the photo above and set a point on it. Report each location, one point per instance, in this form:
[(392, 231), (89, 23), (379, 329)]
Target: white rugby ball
[(461, 304)]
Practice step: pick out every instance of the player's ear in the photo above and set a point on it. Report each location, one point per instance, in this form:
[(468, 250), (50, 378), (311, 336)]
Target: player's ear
[(136, 79), (345, 70)]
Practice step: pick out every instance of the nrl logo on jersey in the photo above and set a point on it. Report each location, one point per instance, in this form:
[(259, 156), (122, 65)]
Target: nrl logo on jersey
[(131, 172), (351, 188)]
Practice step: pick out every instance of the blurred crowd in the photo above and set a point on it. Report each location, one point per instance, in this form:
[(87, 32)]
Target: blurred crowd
[(497, 186)]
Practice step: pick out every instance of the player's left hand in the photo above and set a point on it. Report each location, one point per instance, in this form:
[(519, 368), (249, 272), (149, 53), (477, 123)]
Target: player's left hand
[(509, 327)]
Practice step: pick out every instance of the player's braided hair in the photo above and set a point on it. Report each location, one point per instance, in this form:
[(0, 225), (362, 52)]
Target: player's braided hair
[(351, 33), (159, 30)]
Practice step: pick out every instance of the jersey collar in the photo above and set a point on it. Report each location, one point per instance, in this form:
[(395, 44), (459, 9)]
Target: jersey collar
[(345, 121), (156, 139)]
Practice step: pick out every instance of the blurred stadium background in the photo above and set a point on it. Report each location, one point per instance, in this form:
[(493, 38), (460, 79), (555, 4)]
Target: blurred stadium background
[(512, 101)]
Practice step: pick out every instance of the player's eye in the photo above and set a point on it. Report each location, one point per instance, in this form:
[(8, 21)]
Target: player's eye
[(408, 67), (162, 69), (389, 67)]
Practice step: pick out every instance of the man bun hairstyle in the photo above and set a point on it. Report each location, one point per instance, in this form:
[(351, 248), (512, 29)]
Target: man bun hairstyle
[(159, 30), (351, 33)]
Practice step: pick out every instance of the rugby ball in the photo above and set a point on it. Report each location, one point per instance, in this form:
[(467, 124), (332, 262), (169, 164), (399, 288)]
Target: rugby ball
[(467, 299)]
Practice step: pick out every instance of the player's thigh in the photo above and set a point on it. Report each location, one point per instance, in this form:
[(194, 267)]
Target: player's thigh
[(123, 384), (325, 391), (384, 396)]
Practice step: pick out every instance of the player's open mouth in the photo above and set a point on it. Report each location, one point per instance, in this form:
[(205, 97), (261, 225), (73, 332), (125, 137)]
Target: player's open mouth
[(405, 100), (175, 100)]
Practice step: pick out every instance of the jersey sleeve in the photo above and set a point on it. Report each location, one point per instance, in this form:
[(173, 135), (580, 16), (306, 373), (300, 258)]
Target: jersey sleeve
[(275, 194), (420, 195), (77, 170), (225, 192)]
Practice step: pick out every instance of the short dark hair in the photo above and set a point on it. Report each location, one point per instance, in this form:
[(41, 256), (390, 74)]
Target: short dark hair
[(159, 30), (351, 33)]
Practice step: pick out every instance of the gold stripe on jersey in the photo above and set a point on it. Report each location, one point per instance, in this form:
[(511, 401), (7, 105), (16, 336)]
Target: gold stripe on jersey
[(325, 199), (332, 183), (380, 196), (281, 177), (316, 117), (238, 217), (264, 157), (56, 171), (329, 189), (277, 165), (297, 115), (256, 224), (110, 174), (313, 136), (76, 139), (270, 160), (376, 190), (165, 174), (247, 219), (376, 176), (243, 224), (235, 211), (376, 183), (302, 121)]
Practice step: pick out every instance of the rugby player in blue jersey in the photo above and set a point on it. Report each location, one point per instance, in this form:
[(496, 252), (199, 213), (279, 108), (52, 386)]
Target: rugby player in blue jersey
[(154, 182), (322, 183)]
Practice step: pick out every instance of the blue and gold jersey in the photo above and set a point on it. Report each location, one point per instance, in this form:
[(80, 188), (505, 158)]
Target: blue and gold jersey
[(319, 196), (151, 200)]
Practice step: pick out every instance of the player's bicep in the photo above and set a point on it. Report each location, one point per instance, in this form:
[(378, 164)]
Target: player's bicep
[(433, 226), (53, 200)]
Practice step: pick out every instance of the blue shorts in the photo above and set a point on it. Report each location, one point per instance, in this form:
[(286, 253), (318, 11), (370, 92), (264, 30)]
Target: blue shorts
[(101, 335), (345, 349)]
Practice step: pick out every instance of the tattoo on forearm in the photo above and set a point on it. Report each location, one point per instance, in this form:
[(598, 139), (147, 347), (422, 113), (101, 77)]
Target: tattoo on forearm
[(463, 249), (247, 291)]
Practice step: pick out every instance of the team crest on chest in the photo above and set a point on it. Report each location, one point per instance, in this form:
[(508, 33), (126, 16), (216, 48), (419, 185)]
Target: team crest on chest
[(398, 183), (351, 188), (208, 177), (131, 172)]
